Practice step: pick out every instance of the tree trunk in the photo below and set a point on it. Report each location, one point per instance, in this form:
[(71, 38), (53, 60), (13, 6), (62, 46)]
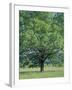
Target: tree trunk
[(41, 66)]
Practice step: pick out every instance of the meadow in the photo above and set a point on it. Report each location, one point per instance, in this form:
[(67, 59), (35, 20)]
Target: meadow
[(29, 73)]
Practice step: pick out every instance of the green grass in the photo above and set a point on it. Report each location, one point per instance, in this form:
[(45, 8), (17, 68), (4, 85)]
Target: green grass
[(29, 73)]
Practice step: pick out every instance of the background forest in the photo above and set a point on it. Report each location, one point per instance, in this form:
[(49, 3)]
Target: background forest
[(41, 44)]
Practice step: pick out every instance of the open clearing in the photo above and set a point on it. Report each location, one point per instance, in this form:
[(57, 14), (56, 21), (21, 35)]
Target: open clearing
[(29, 73)]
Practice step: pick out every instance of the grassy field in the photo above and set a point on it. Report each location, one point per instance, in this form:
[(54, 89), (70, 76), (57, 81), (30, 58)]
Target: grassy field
[(29, 73)]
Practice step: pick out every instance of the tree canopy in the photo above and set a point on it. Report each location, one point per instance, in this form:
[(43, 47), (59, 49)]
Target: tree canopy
[(41, 37)]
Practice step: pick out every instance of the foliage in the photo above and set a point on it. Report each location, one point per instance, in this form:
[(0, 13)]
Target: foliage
[(41, 37)]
